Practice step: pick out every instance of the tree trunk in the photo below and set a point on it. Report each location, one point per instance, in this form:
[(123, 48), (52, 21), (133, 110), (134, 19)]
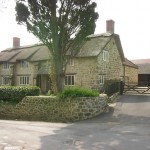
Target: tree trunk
[(57, 75), (60, 82), (60, 76)]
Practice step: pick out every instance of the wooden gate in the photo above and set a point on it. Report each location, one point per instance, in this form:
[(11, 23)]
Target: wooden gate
[(132, 88)]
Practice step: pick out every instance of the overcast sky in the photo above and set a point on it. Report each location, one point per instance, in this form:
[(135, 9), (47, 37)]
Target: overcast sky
[(132, 23)]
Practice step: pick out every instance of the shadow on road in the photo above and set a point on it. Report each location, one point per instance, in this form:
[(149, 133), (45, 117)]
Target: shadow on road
[(135, 98), (98, 134), (112, 130)]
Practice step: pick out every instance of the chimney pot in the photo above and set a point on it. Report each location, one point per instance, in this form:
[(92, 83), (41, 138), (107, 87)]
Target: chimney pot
[(16, 42), (110, 26)]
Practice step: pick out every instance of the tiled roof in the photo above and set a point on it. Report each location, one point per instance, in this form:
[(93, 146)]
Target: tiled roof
[(143, 64), (129, 63), (144, 68)]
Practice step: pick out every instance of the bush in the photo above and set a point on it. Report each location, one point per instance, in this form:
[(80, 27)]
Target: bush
[(78, 92), (17, 93)]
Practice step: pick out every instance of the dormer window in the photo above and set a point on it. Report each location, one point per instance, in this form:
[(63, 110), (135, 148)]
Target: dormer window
[(105, 55), (6, 65), (24, 64)]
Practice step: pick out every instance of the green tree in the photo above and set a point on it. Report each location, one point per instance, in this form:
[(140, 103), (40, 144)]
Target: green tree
[(62, 25)]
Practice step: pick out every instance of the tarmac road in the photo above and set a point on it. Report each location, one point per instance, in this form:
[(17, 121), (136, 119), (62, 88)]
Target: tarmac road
[(125, 127)]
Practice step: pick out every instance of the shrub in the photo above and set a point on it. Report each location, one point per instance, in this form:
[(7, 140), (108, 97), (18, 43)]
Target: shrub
[(17, 93), (78, 92)]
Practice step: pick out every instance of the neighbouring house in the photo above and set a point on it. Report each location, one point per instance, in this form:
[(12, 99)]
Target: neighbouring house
[(143, 71), (29, 65), (100, 58), (130, 72)]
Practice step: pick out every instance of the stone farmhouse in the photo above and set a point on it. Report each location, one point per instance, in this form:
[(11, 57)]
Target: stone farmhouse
[(100, 58)]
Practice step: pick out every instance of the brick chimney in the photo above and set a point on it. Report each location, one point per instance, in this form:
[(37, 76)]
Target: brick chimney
[(110, 26), (16, 42)]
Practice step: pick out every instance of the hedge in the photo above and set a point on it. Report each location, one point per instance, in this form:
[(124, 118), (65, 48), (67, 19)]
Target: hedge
[(17, 93), (78, 92)]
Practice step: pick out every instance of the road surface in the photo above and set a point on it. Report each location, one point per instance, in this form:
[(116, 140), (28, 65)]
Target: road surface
[(126, 126)]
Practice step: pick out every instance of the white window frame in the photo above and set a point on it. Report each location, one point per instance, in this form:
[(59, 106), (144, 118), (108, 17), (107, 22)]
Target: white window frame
[(70, 80), (105, 55), (24, 80), (6, 65), (70, 61), (24, 64), (5, 80), (102, 79)]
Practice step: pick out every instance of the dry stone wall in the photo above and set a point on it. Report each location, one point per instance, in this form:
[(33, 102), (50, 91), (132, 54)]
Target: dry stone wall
[(52, 109)]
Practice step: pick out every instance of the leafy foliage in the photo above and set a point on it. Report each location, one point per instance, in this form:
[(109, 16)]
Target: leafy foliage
[(16, 93), (78, 92), (62, 25)]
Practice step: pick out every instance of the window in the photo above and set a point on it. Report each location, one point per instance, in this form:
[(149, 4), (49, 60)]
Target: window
[(70, 61), (102, 79), (24, 80), (5, 80), (6, 65), (24, 64), (70, 80), (105, 55)]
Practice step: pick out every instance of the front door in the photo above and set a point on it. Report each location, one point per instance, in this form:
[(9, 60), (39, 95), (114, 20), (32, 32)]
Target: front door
[(43, 82)]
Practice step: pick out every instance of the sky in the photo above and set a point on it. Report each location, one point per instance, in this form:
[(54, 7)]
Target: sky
[(132, 23)]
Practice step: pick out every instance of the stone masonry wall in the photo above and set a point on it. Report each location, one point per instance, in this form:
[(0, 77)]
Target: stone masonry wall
[(112, 69), (131, 75), (52, 109), (4, 72), (85, 71), (29, 71), (115, 62)]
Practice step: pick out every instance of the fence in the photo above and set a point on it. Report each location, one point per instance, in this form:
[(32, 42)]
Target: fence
[(113, 86)]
